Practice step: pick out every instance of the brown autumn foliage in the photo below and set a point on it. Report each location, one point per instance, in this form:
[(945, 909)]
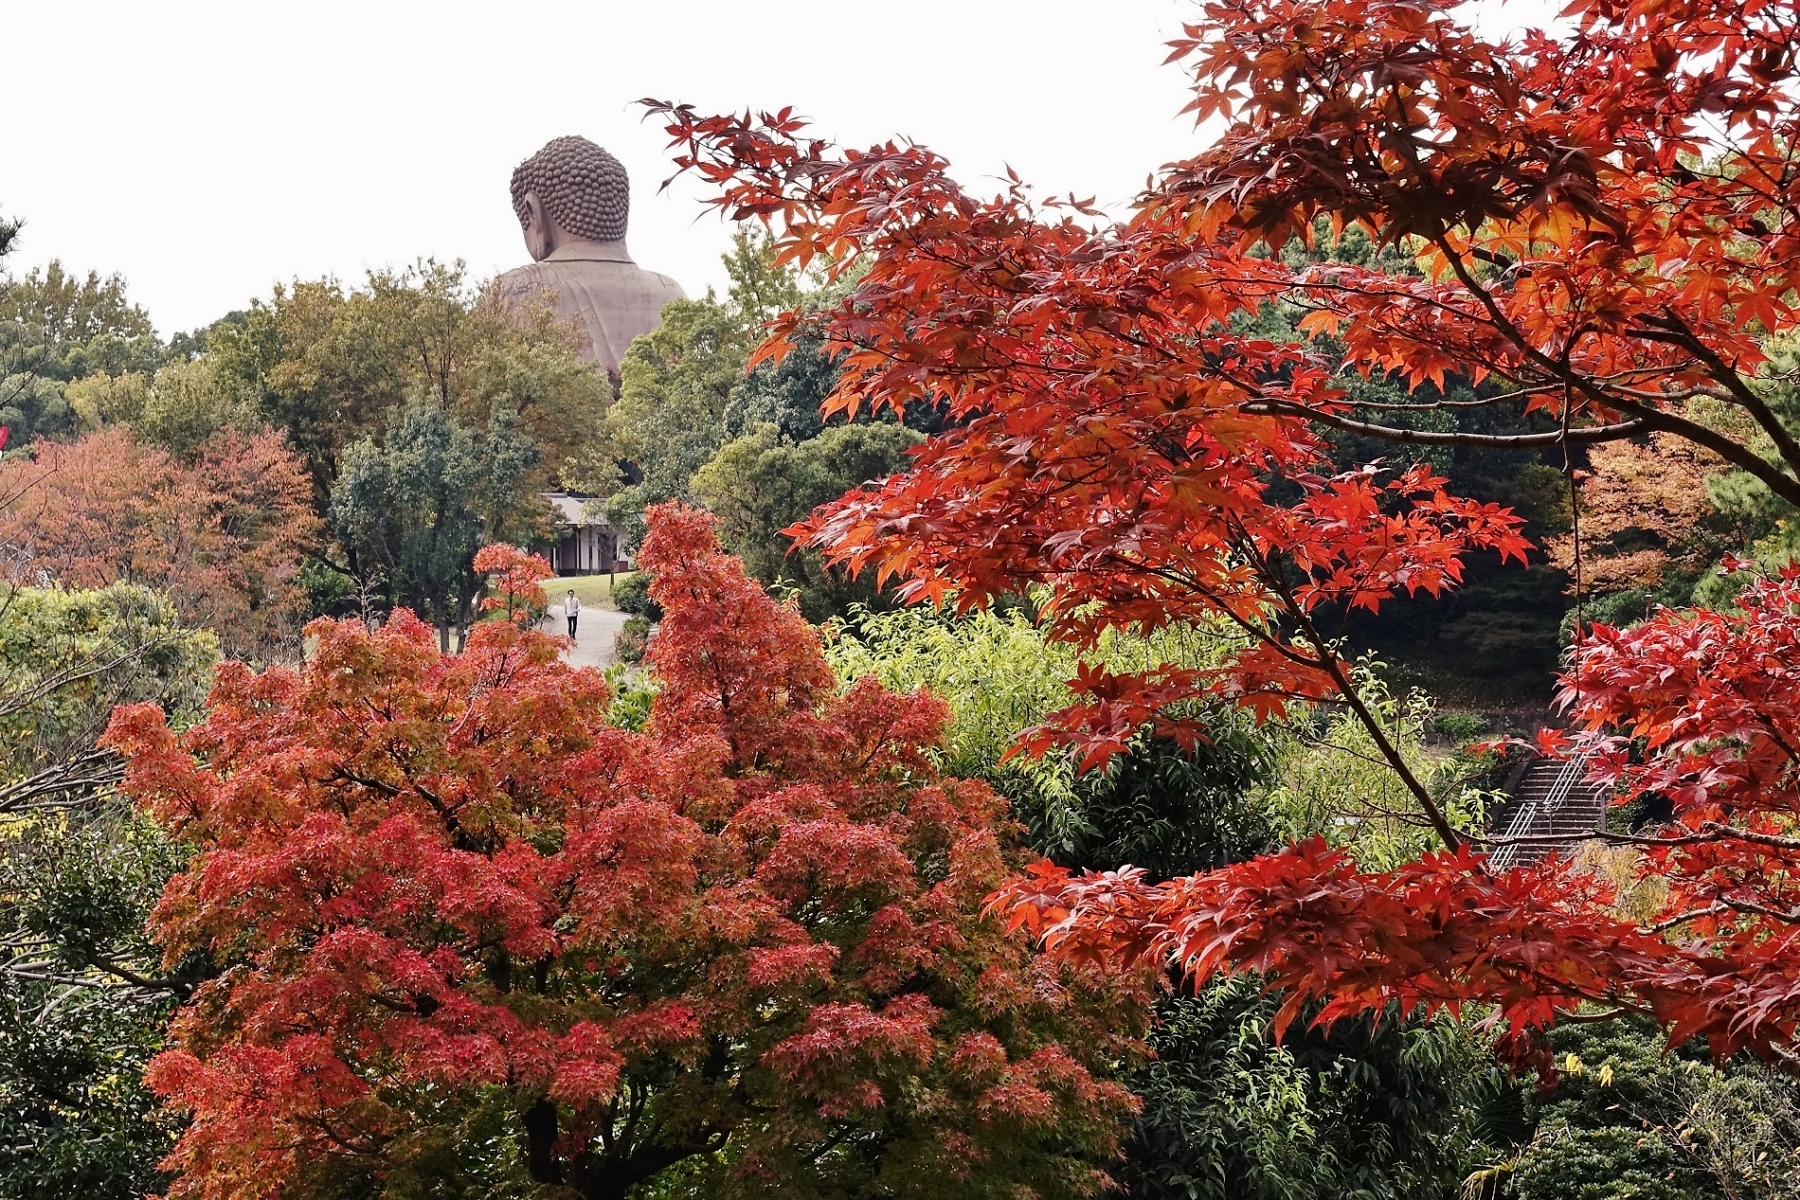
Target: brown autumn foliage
[(1644, 511), (222, 536)]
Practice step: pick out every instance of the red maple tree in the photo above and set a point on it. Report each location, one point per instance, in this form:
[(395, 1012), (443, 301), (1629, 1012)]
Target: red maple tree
[(517, 577), (1711, 701), (1605, 227), (464, 932)]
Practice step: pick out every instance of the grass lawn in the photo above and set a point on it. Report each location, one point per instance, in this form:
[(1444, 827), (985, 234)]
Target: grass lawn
[(592, 590)]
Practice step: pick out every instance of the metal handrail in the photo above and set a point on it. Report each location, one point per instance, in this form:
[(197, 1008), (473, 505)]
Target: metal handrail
[(1572, 770), (1560, 789)]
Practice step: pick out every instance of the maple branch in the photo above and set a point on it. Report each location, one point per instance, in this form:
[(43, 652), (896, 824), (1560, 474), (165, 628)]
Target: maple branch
[(1439, 822), (1220, 604), (349, 775), (1671, 329), (175, 986), (1785, 486), (1682, 918), (1611, 1014), (444, 810), (1774, 735), (1435, 404), (1735, 453), (1790, 917), (1431, 437), (1333, 666)]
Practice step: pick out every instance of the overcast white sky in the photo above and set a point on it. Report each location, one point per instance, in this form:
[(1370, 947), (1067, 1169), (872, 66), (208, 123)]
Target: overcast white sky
[(208, 149)]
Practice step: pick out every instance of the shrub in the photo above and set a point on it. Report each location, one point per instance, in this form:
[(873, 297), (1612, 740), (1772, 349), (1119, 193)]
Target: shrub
[(631, 642)]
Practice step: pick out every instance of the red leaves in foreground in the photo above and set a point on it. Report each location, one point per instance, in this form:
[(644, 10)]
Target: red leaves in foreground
[(1712, 700), (440, 892), (1114, 431), (1599, 228)]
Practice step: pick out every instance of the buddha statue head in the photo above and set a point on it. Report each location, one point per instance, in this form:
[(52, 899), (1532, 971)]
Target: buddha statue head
[(570, 191), (573, 199)]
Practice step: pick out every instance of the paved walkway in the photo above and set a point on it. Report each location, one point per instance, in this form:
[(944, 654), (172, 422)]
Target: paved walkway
[(594, 633)]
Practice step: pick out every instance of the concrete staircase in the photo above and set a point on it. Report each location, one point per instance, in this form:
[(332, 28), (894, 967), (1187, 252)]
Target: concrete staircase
[(1550, 799)]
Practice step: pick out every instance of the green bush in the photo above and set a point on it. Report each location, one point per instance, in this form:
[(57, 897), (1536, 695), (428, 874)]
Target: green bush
[(1460, 726), (1626, 1117), (79, 873), (632, 693), (1366, 1109), (632, 595), (1168, 810), (631, 641)]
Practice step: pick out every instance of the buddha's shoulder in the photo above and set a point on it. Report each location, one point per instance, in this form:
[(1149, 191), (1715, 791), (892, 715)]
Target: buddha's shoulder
[(669, 288), (523, 281), (556, 276)]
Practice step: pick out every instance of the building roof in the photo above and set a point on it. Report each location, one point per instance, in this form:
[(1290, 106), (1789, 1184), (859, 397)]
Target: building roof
[(577, 510)]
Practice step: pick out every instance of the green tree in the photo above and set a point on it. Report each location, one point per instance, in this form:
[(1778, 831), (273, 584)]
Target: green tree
[(786, 394), (185, 405), (412, 509), (673, 385), (759, 485), (1376, 1111), (676, 381), (83, 994), (56, 328), (334, 365)]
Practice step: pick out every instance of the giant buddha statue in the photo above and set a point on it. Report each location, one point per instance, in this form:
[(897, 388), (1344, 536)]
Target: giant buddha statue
[(573, 200)]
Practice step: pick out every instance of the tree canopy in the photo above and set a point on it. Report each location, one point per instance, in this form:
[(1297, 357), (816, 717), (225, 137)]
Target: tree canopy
[(83, 993), (474, 938), (222, 536), (1601, 223), (333, 365), (411, 511), (57, 328)]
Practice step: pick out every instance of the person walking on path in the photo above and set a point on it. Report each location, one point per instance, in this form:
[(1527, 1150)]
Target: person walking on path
[(572, 610)]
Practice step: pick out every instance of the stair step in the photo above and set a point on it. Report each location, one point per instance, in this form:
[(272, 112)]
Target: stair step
[(1547, 802)]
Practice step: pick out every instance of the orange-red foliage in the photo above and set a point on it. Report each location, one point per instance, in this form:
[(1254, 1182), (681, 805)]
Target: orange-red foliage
[(517, 577), (1110, 432), (1607, 225), (432, 882), (222, 536), (1714, 699)]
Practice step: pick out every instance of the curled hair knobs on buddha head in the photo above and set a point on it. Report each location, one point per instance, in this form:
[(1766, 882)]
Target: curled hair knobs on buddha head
[(582, 188)]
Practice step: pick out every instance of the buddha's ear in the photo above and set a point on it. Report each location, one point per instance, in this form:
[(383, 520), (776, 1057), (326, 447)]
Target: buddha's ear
[(539, 240)]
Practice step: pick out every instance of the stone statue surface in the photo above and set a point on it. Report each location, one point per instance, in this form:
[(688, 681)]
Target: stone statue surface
[(574, 202)]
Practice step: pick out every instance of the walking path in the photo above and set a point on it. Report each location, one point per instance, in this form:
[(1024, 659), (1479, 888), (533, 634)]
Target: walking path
[(595, 630)]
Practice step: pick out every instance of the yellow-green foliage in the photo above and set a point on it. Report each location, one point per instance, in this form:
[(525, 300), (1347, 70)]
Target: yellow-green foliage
[(68, 657), (995, 670), (1328, 777), (1000, 676)]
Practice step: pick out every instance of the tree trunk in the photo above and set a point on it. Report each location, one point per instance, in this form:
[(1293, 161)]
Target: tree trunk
[(540, 1142)]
